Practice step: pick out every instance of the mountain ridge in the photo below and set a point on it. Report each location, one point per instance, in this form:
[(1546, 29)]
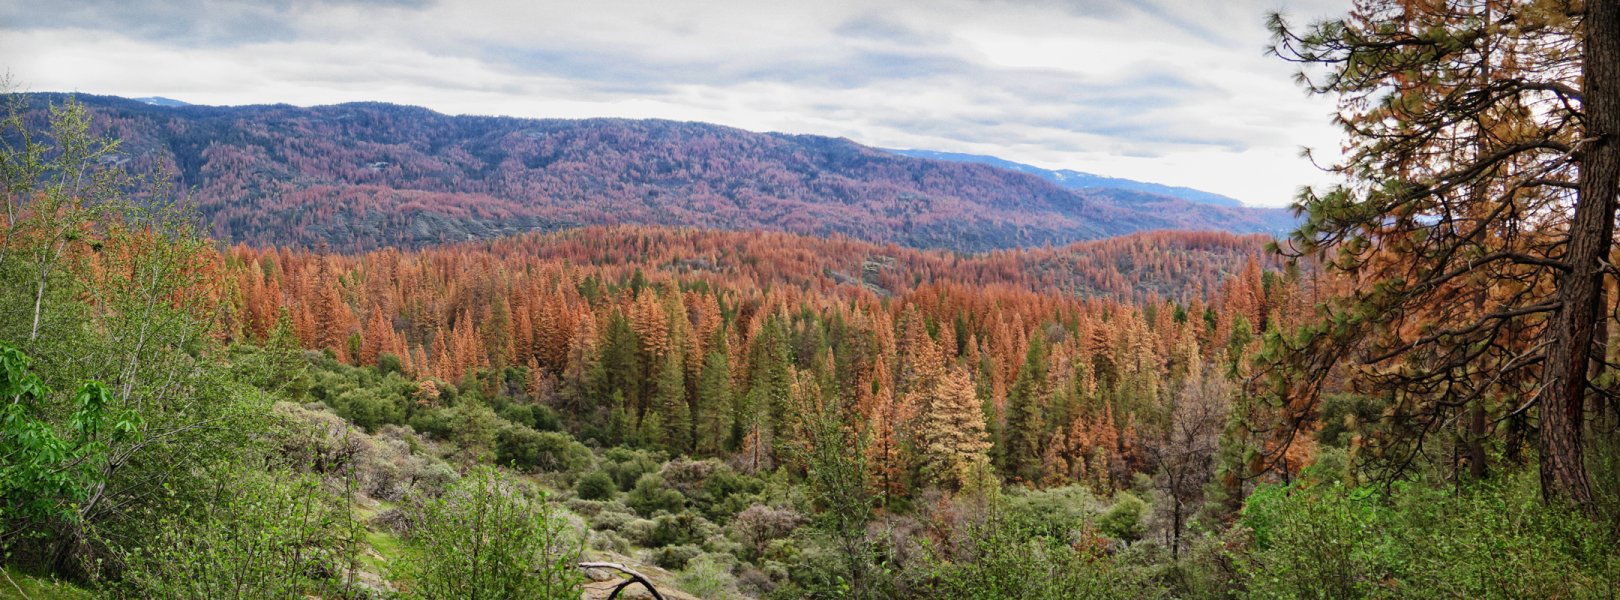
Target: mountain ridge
[(361, 176)]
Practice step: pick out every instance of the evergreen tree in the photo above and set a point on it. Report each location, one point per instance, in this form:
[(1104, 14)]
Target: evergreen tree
[(1026, 426), (1482, 170), (951, 441), (770, 382), (712, 410), (669, 401), (621, 364)]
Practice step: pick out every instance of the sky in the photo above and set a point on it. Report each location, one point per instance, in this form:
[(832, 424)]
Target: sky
[(1170, 91)]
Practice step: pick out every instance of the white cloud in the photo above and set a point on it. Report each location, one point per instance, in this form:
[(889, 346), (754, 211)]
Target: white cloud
[(1173, 92)]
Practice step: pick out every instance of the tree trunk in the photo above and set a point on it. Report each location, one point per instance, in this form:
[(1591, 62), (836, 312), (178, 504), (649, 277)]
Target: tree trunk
[(1175, 527), (1476, 441), (1563, 400)]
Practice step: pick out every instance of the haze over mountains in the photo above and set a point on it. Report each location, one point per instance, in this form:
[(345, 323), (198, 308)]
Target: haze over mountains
[(1076, 180), (368, 175)]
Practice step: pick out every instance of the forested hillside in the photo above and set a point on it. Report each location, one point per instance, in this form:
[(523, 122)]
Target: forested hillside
[(732, 414), (365, 176), (1412, 395)]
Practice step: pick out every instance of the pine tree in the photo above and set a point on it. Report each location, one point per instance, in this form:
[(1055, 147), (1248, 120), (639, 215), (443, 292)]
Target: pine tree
[(951, 440), (770, 385), (1026, 425), (576, 395), (621, 364), (1480, 154), (712, 410), (669, 402)]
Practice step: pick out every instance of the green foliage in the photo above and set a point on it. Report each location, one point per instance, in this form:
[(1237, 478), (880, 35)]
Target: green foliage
[(548, 451), (674, 414), (18, 586), (1493, 540), (1123, 521), (533, 416), (707, 577), (1026, 426), (1342, 413), (683, 528), (1056, 512), (838, 478), (652, 495), (474, 428), (370, 407), (263, 535), (436, 423), (486, 538), (710, 486), (1007, 561), (596, 486), (711, 408), (674, 557), (626, 466), (102, 278), (44, 473)]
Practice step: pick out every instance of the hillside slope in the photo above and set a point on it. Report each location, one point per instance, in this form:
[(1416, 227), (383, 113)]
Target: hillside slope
[(363, 176)]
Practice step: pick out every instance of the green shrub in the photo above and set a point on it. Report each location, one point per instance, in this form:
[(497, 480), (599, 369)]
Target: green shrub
[(651, 496), (525, 549), (1422, 540), (674, 557), (267, 535), (1056, 512), (532, 450), (388, 363), (711, 486), (534, 416), (684, 527), (1008, 561), (435, 423), (609, 541), (596, 486), (626, 466), (1123, 521), (706, 576)]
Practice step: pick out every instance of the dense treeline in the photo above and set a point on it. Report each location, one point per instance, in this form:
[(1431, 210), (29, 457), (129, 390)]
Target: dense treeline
[(366, 176), (709, 355), (1416, 403), (761, 414)]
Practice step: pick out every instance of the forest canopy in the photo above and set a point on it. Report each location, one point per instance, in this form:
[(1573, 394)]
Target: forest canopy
[(1410, 396)]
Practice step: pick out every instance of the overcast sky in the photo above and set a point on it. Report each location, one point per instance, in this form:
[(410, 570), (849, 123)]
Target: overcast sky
[(1171, 91)]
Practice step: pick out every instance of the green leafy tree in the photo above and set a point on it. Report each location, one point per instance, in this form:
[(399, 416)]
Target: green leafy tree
[(45, 472), (770, 382), (104, 278), (487, 538), (260, 535), (840, 486)]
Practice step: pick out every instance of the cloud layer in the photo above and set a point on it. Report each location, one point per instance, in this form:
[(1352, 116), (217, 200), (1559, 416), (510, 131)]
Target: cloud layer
[(1166, 91)]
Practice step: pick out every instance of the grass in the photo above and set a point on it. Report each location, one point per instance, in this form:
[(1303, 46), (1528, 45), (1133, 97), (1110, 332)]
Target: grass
[(386, 546), (16, 585)]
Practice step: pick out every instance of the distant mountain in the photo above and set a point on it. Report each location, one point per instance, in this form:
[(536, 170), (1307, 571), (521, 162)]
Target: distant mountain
[(368, 175), (1076, 180), (161, 101)]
